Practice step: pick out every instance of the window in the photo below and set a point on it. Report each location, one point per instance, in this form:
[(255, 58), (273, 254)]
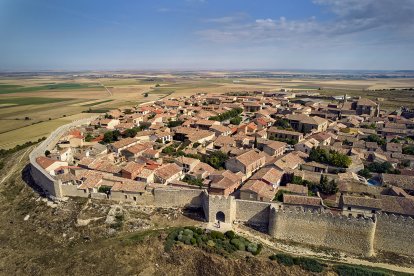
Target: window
[(135, 198), (349, 208), (126, 196)]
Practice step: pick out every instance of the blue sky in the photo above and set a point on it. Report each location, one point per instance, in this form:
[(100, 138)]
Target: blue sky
[(206, 34)]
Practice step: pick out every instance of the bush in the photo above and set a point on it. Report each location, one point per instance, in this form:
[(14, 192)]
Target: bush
[(258, 250), (170, 241), (239, 244), (347, 270), (217, 235), (330, 157), (230, 234), (309, 264), (283, 259)]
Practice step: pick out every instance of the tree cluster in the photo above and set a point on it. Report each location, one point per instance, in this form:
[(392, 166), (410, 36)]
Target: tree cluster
[(227, 115), (330, 157)]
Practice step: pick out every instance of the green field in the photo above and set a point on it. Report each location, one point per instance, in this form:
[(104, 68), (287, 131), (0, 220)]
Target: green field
[(10, 89), (31, 101)]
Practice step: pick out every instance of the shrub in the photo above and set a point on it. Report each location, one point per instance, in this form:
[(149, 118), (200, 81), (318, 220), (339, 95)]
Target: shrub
[(252, 247), (309, 264), (217, 235), (193, 241), (346, 270), (211, 243), (170, 241), (283, 259), (258, 250), (230, 234), (239, 244)]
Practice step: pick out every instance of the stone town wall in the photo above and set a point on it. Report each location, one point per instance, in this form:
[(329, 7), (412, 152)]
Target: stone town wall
[(348, 234), (394, 234), (41, 177), (72, 190), (252, 212), (166, 197)]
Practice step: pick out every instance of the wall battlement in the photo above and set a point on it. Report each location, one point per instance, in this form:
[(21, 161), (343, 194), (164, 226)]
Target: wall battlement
[(300, 213)]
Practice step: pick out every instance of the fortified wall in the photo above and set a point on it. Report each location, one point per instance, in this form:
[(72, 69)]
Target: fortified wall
[(360, 236), (349, 234)]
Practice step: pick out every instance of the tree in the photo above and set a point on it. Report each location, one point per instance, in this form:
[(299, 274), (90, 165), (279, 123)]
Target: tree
[(145, 95), (216, 159), (236, 120), (330, 157), (47, 153), (365, 173), (255, 142), (327, 187), (408, 150), (282, 124), (375, 138)]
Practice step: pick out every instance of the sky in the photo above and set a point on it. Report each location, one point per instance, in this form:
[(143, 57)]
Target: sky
[(206, 34)]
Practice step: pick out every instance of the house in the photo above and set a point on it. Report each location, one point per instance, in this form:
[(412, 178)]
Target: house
[(53, 167), (273, 133), (314, 167), (220, 130), (307, 124), (224, 141), (270, 176), (117, 146), (146, 175), (186, 163), (307, 145), (162, 137), (359, 206), (108, 123), (127, 191), (394, 147), (257, 190), (247, 163), (405, 182), (289, 161), (274, 148), (224, 183), (131, 170), (366, 106), (134, 151), (306, 202), (167, 173)]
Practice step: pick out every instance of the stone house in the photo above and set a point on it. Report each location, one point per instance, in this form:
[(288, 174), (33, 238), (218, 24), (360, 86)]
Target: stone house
[(270, 176), (307, 124), (224, 183), (275, 148), (257, 190), (117, 146), (167, 173), (275, 133), (359, 206), (131, 170), (186, 163), (307, 145), (311, 203), (247, 163), (50, 165)]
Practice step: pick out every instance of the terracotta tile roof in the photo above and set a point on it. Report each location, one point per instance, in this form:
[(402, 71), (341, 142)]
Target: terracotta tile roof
[(249, 157), (129, 186), (295, 188), (133, 167), (124, 142), (301, 200), (270, 175), (405, 182), (168, 170), (260, 188), (45, 162), (366, 202)]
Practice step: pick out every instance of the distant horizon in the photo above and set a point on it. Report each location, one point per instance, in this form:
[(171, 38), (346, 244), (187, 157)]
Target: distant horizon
[(272, 70)]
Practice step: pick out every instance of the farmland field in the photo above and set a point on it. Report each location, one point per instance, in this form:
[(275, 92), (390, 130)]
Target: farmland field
[(31, 106)]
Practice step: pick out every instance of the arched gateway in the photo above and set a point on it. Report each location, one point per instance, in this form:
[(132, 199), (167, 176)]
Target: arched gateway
[(220, 216)]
